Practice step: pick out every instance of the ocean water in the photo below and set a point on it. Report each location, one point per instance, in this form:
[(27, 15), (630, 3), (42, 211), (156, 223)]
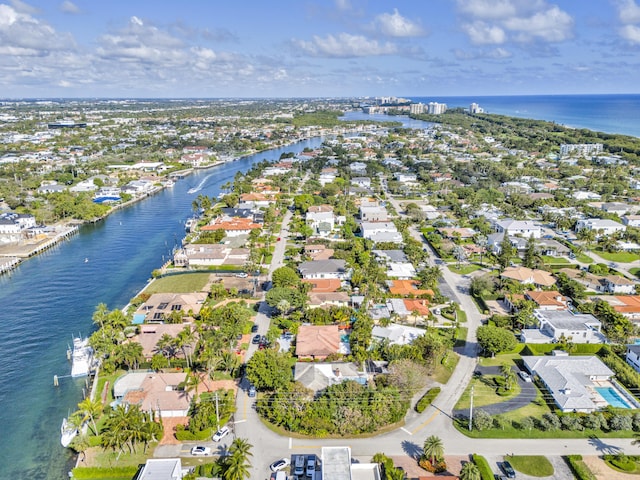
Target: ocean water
[(51, 297), (603, 113)]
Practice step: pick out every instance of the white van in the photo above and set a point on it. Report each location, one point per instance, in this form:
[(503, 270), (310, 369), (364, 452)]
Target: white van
[(299, 466)]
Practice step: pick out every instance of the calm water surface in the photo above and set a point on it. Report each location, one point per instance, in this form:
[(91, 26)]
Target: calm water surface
[(51, 297)]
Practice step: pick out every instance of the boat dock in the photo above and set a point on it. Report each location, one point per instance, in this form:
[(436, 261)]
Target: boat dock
[(8, 263), (33, 246)]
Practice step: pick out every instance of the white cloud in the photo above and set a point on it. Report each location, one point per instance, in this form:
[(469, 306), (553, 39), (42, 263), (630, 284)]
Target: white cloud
[(23, 34), (344, 45), (395, 25), (24, 7), (343, 5), (481, 33), (553, 25), (631, 33), (628, 11), (69, 7), (524, 21)]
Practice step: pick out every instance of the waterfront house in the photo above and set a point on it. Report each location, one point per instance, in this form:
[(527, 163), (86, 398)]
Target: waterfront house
[(160, 306), (232, 226), (151, 333), (161, 469), (157, 392), (206, 254)]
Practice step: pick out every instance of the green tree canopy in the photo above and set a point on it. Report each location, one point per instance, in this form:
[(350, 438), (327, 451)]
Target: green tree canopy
[(495, 339)]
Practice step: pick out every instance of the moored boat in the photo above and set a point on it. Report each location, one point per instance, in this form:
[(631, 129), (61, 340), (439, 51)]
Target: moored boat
[(67, 433), (81, 357)]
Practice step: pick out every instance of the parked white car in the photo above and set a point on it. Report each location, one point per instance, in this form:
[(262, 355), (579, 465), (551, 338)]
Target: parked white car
[(220, 434), (200, 450)]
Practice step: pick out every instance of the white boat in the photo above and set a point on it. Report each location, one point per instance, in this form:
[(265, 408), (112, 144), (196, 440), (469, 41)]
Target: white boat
[(81, 357), (67, 433)]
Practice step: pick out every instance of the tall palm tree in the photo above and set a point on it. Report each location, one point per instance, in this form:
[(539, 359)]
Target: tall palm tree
[(238, 463), (90, 409), (470, 471), (433, 448)]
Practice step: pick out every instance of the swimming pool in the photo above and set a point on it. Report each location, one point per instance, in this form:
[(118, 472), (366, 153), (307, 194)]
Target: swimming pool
[(612, 396)]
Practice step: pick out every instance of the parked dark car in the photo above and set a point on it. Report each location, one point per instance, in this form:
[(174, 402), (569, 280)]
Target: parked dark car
[(256, 339), (254, 328), (508, 469)]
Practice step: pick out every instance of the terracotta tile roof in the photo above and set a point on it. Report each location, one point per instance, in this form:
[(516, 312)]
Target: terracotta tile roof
[(236, 223), (407, 287), (317, 340), (551, 298), (323, 285), (420, 306)]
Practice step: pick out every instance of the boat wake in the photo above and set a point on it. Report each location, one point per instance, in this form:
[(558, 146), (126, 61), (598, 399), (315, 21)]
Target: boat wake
[(198, 187)]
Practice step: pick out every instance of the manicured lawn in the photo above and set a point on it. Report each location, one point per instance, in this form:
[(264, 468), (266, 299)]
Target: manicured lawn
[(499, 360), (635, 271), (461, 336), (109, 459), (443, 371), (534, 465), (464, 269), (584, 258), (553, 261), (484, 393), (622, 257), (185, 283)]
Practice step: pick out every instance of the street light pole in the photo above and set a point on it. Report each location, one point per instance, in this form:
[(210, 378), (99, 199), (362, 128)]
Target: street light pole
[(471, 410)]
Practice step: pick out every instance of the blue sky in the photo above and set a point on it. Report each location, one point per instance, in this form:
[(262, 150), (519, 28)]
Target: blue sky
[(312, 48)]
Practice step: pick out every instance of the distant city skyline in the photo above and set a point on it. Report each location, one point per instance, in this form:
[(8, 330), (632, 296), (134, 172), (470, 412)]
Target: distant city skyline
[(316, 48)]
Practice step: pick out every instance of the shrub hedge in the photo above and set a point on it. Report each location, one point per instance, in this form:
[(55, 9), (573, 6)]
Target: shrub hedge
[(483, 466), (579, 468), (82, 473), (624, 372), (426, 399)]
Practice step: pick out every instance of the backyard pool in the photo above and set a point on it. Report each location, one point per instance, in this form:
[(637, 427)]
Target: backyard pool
[(612, 396)]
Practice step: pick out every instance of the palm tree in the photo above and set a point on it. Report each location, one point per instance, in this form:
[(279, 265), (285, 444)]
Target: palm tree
[(433, 449), (100, 315), (90, 409), (237, 462), (509, 376), (470, 471)]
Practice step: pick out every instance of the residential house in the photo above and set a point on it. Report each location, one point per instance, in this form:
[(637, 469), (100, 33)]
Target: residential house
[(321, 220), (617, 208), (358, 167), (407, 288), (256, 200), (318, 376), (627, 305), (318, 252), (571, 381), (556, 325), (161, 469), (633, 356), (324, 285), (363, 182), (462, 233), (207, 254), (328, 299), (156, 392), (401, 270), (327, 175), (159, 306), (618, 284), (521, 228), (381, 232), (317, 342), (528, 275), (332, 268), (631, 220), (396, 334), (600, 226), (373, 214), (232, 226), (548, 299), (151, 333)]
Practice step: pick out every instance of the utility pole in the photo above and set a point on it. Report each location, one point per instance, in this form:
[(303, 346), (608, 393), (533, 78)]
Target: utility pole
[(470, 410), (217, 414)]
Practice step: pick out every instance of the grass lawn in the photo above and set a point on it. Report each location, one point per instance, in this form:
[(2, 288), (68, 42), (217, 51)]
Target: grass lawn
[(464, 269), (555, 260), (443, 371), (461, 336), (109, 459), (499, 360), (635, 271), (484, 393), (622, 257), (534, 465), (584, 258), (185, 283)]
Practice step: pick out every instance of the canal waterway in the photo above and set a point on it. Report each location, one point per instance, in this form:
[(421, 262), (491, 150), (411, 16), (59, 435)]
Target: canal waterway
[(51, 297)]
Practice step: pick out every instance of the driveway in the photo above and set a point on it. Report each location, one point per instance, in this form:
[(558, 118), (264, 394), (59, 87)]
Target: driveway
[(528, 392)]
